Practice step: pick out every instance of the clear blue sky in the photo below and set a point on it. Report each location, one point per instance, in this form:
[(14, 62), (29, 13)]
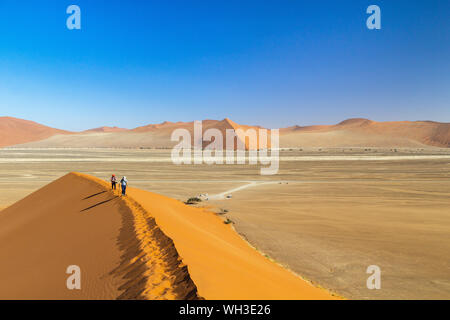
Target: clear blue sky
[(273, 63)]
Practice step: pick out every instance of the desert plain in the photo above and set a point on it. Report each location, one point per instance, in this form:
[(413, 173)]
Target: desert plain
[(327, 215)]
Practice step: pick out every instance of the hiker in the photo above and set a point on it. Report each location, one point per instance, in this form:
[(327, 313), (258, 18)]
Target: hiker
[(113, 182), (123, 184)]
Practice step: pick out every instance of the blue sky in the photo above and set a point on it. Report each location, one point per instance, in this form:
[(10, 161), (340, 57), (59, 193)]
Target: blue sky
[(272, 63)]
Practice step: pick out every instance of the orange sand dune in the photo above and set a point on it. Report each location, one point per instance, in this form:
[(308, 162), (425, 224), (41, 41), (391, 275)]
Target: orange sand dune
[(166, 128), (143, 246), (364, 132), (16, 131)]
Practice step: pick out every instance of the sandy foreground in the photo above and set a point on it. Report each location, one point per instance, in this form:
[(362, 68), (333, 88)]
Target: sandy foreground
[(143, 246), (323, 218)]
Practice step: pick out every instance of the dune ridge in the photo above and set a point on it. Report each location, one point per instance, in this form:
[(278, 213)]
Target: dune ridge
[(149, 263)]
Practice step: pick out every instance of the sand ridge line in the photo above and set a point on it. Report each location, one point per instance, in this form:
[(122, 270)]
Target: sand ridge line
[(150, 264)]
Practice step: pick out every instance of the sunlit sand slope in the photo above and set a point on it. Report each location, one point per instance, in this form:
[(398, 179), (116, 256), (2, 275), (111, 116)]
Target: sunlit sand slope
[(220, 262)]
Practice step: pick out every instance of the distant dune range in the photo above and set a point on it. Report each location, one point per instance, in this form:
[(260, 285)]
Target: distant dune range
[(143, 246), (349, 133)]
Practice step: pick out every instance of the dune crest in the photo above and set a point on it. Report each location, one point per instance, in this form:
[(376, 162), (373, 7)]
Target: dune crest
[(150, 262)]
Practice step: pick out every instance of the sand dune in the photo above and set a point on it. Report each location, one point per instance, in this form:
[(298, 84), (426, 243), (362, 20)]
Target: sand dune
[(349, 133), (165, 129), (367, 133), (16, 131), (144, 246)]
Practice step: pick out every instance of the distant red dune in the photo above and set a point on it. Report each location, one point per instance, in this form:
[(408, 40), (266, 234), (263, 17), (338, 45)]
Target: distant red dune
[(17, 131), (364, 132)]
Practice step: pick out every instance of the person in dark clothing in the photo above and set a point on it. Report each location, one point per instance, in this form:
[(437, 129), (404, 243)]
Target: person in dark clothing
[(113, 182), (124, 184)]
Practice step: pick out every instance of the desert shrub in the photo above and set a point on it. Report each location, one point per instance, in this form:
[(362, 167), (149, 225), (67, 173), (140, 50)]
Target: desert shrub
[(193, 200), (228, 221)]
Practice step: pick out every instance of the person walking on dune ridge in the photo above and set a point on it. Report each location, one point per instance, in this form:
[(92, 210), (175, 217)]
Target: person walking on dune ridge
[(124, 184), (113, 182)]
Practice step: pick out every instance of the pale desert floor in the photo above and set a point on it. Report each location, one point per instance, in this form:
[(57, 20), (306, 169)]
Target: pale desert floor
[(327, 215)]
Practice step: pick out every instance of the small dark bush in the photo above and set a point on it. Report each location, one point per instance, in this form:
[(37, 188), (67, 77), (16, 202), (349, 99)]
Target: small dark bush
[(228, 221), (193, 200)]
